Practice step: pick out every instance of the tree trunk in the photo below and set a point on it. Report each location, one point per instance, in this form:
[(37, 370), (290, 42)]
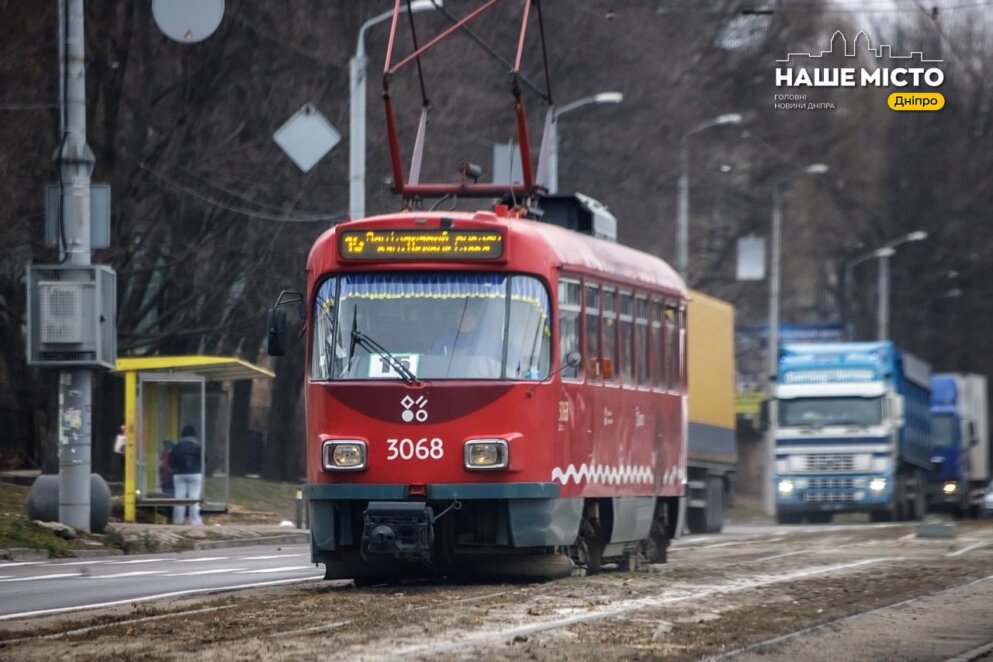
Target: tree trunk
[(286, 429)]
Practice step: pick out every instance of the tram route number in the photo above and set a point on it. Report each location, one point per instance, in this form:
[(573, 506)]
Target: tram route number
[(408, 449)]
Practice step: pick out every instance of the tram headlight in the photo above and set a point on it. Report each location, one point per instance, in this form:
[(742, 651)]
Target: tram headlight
[(344, 455), (486, 454)]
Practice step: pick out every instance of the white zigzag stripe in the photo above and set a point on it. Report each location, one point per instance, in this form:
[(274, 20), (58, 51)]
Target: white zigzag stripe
[(601, 473)]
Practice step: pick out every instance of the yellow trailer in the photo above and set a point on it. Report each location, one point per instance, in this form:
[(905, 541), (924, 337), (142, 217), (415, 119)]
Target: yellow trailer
[(713, 455)]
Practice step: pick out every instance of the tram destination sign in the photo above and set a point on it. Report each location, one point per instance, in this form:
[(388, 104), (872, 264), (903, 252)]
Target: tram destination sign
[(442, 244)]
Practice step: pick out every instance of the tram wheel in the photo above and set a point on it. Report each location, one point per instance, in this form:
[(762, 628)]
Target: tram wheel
[(592, 540), (655, 547)]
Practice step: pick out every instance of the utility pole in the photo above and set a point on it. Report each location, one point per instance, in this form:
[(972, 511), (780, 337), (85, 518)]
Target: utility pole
[(357, 107), (683, 209), (883, 314), (75, 162), (772, 347)]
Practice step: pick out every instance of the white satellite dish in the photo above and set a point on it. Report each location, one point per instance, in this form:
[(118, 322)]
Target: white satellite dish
[(188, 21)]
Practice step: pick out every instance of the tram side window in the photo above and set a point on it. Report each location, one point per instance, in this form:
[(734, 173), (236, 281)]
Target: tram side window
[(593, 331), (672, 344), (609, 360), (569, 310), (624, 345), (641, 340), (529, 331), (658, 350)]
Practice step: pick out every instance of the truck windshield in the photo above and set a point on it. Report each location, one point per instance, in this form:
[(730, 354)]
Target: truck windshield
[(819, 412), (437, 325), (943, 430)]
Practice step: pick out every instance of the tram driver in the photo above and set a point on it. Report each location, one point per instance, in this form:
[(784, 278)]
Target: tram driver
[(473, 346)]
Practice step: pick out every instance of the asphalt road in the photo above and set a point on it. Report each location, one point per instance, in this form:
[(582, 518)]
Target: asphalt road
[(37, 588)]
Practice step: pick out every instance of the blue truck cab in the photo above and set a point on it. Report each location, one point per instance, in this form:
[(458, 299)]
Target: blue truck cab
[(852, 432), (960, 442), (950, 449)]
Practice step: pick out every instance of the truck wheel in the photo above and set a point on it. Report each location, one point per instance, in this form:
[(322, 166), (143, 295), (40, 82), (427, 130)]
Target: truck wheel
[(787, 518), (696, 520), (919, 501), (899, 499), (715, 504)]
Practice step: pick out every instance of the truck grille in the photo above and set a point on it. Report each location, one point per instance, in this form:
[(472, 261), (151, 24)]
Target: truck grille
[(832, 462), (824, 497), (830, 483)]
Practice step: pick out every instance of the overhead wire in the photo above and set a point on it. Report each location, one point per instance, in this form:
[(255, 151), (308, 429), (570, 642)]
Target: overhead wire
[(177, 187)]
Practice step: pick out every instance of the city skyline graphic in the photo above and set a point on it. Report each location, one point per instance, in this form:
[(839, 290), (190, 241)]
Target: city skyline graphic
[(838, 38)]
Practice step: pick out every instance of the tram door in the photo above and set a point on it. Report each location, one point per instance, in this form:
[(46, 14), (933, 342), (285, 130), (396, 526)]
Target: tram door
[(167, 404)]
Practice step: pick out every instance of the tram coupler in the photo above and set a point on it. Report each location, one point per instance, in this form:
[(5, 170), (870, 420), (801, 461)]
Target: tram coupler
[(403, 530)]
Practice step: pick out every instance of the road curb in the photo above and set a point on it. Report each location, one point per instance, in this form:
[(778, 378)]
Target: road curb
[(21, 554), (288, 539), (94, 553)]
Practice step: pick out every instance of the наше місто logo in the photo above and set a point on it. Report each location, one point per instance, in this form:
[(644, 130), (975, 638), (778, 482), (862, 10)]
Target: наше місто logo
[(873, 67)]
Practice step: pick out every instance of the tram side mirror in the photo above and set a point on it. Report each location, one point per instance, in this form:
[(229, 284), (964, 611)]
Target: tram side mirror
[(573, 359), (277, 332), (276, 329)]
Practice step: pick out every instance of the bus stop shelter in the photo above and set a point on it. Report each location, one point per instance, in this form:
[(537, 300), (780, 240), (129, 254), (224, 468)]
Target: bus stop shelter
[(162, 396)]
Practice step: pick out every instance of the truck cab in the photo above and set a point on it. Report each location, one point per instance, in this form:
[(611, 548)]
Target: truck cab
[(850, 426), (958, 413)]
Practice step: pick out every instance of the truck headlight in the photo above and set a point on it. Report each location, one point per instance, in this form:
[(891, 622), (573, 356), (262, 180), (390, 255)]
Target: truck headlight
[(950, 487), (785, 487), (344, 455), (485, 454), (877, 484)]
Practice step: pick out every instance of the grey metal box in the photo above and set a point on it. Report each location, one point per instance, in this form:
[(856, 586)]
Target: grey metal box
[(72, 312), (99, 215)]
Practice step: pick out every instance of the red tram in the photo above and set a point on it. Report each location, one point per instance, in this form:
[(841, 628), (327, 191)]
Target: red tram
[(482, 386), (486, 392)]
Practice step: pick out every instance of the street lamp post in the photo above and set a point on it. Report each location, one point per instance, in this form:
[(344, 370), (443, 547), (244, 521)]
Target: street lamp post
[(883, 254), (356, 117), (553, 139), (772, 346), (683, 218)]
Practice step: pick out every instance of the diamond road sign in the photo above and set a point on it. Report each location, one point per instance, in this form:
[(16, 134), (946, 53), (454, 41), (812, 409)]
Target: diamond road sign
[(307, 137)]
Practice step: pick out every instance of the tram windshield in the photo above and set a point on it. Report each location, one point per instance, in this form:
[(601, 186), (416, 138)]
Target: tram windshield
[(436, 325)]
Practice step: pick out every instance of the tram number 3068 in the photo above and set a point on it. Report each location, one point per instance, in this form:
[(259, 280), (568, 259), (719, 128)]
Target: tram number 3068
[(408, 449)]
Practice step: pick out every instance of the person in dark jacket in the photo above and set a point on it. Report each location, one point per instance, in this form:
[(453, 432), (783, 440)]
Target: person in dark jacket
[(186, 463)]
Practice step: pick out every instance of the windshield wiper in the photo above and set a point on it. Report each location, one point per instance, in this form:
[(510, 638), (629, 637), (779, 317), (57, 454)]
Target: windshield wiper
[(359, 338)]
